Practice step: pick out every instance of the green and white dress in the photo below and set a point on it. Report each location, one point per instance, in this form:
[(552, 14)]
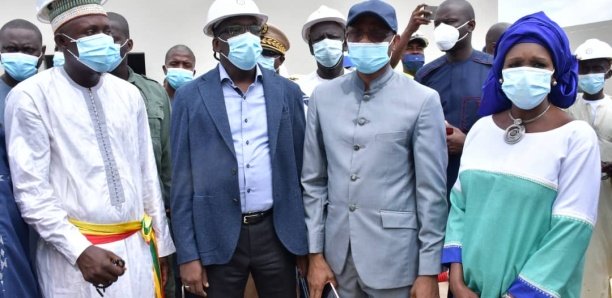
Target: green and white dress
[(522, 215)]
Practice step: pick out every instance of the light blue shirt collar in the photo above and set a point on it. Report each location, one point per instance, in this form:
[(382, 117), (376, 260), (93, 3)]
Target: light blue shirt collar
[(223, 75)]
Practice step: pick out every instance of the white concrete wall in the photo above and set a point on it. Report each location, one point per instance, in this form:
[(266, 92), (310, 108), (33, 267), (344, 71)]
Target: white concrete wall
[(156, 25)]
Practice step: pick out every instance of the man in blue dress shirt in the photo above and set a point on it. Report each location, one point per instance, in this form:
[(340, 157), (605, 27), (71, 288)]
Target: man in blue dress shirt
[(237, 140)]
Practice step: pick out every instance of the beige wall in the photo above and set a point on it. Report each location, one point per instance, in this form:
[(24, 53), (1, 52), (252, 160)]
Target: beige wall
[(157, 25)]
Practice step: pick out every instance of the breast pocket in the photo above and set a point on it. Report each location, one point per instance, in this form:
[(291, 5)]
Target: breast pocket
[(393, 150), (605, 134), (156, 117), (605, 145), (155, 130)]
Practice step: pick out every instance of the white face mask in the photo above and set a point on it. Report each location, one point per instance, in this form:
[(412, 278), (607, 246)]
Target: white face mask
[(328, 52), (447, 36)]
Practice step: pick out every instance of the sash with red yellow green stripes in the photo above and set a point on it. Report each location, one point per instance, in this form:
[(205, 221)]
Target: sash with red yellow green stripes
[(107, 233)]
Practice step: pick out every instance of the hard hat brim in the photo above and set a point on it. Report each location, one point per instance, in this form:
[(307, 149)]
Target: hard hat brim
[(308, 25), (208, 28)]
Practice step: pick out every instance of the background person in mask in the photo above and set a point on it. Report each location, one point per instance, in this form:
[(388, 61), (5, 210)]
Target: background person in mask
[(324, 32), (21, 53), (414, 54), (274, 44), (237, 141), (21, 50), (157, 105), (374, 172), (525, 203), (457, 76), (93, 194), (595, 107), (179, 68)]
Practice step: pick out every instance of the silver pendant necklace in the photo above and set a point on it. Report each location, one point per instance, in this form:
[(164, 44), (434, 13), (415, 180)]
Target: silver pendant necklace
[(516, 131)]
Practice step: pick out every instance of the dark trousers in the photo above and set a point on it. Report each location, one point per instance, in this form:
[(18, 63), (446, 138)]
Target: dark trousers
[(260, 253)]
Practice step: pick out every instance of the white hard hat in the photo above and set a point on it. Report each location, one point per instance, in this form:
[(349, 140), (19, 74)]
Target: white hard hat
[(322, 14), (419, 35), (593, 49), (222, 9), (42, 9)]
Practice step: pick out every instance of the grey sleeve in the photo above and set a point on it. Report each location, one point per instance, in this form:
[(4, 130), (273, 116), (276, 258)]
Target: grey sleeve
[(314, 179), (430, 159)]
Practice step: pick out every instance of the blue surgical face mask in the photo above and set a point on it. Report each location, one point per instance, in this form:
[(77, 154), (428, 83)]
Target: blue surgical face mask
[(178, 77), (98, 52), (368, 58), (591, 83), (328, 52), (244, 50), (267, 62), (119, 58), (58, 59), (526, 87), (19, 66), (413, 62)]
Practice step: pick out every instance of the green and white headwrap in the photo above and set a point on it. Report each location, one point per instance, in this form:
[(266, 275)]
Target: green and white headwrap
[(59, 12)]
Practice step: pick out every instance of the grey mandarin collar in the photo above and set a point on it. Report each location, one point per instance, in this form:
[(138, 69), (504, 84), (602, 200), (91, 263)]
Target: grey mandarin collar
[(375, 85)]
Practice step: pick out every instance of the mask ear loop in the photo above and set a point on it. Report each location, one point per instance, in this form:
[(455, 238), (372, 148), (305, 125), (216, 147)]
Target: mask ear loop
[(126, 54), (391, 45), (608, 73), (72, 40), (215, 53), (466, 34)]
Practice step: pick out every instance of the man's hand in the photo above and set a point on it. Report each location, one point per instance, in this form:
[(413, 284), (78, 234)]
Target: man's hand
[(457, 284), (98, 266), (164, 267), (455, 140), (319, 274), (425, 286), (302, 265), (194, 278), (418, 17)]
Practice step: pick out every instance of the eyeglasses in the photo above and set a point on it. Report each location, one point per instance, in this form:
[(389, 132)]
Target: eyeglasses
[(235, 30), (376, 35)]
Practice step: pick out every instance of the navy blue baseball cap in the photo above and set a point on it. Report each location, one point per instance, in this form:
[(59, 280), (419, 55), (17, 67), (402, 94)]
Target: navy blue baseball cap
[(378, 8)]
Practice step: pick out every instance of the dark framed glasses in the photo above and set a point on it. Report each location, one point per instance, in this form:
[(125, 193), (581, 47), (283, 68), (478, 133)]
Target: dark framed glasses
[(235, 30), (374, 35)]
